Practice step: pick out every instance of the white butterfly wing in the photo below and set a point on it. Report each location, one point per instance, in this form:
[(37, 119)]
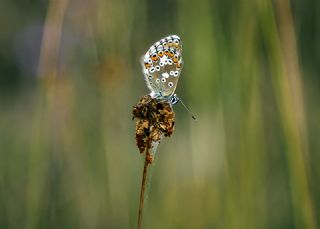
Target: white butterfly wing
[(162, 65)]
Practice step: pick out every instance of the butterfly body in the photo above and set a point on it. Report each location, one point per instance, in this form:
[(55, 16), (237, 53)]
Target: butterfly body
[(162, 65)]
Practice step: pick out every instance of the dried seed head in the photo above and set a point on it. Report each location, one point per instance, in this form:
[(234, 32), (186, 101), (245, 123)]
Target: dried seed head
[(155, 119)]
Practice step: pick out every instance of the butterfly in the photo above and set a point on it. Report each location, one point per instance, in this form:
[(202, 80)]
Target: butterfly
[(162, 65)]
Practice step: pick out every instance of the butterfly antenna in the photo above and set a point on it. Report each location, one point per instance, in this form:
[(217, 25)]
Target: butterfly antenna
[(193, 117)]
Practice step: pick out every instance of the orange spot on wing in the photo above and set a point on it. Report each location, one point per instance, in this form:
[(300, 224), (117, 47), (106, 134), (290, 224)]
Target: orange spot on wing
[(160, 53), (147, 65), (154, 57)]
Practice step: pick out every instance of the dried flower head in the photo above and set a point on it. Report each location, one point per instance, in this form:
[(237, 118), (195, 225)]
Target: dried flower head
[(155, 119)]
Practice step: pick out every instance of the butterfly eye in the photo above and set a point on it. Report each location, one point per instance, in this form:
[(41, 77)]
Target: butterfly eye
[(176, 42), (158, 80), (171, 73), (150, 76), (158, 68), (169, 62), (166, 52), (170, 42), (164, 44), (170, 84), (163, 80), (149, 61), (171, 54), (176, 73), (161, 64)]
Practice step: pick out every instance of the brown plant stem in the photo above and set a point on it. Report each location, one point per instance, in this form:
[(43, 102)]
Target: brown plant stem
[(143, 188), (155, 120)]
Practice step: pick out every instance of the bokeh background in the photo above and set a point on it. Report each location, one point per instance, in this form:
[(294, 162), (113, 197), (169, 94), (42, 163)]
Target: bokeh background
[(70, 74)]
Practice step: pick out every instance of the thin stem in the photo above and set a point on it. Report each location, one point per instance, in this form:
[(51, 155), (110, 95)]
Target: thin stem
[(143, 188)]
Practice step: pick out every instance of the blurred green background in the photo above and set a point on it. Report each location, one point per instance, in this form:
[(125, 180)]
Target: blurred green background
[(70, 74)]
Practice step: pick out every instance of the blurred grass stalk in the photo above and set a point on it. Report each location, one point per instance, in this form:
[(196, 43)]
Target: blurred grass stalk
[(45, 109), (288, 87), (282, 58)]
